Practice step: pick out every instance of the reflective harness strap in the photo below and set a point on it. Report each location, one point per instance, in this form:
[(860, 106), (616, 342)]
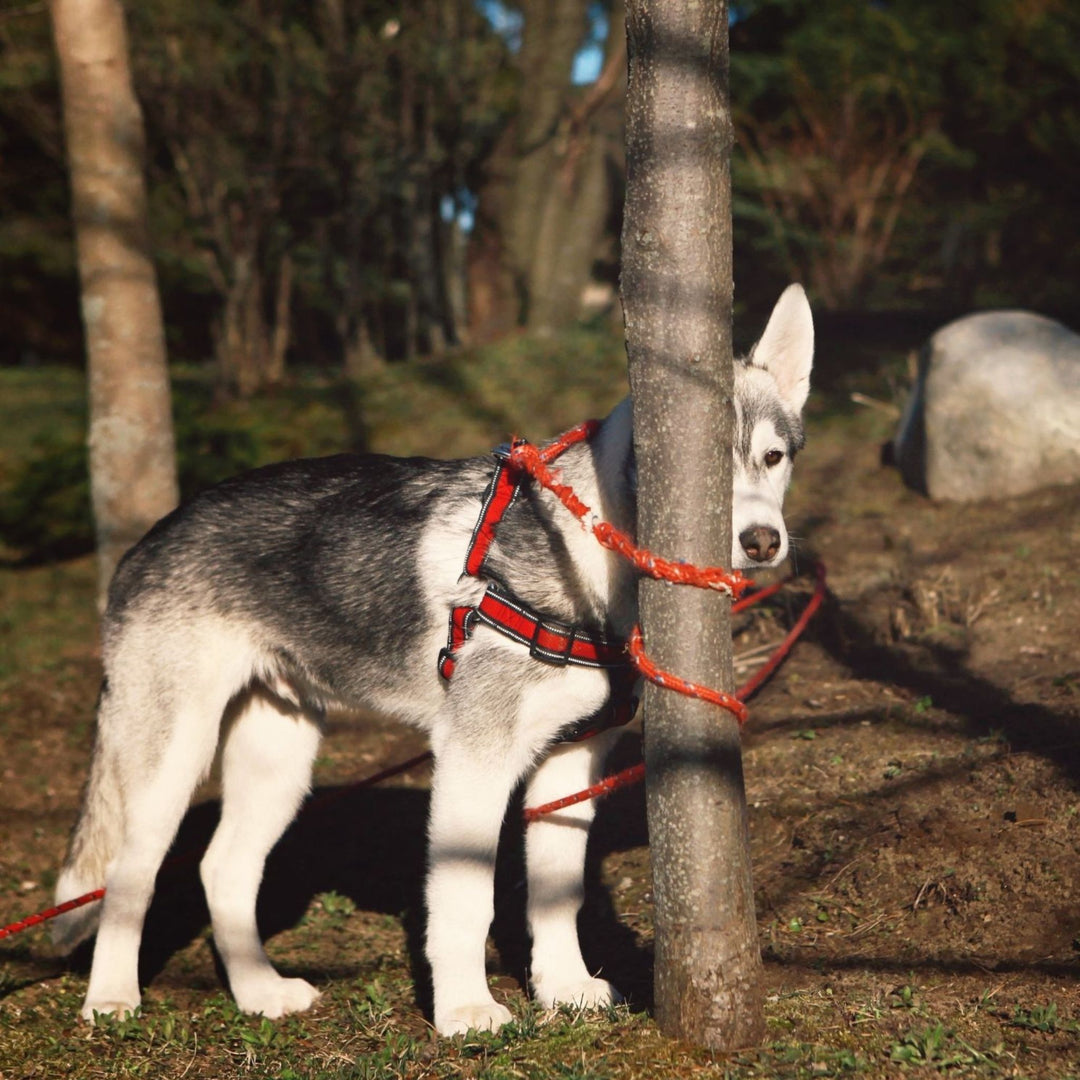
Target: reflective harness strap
[(549, 641), (502, 490)]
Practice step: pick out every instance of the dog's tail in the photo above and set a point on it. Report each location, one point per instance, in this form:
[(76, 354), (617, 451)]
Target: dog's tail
[(94, 843)]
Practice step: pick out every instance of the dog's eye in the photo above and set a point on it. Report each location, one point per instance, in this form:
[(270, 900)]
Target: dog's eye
[(774, 457)]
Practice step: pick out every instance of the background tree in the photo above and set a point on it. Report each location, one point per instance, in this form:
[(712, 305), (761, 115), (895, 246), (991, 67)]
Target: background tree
[(677, 297), (38, 278), (831, 135), (987, 225), (908, 153), (553, 178), (321, 154), (132, 454)]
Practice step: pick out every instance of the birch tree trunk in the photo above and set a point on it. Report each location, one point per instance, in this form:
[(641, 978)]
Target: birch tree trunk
[(132, 450), (677, 297)]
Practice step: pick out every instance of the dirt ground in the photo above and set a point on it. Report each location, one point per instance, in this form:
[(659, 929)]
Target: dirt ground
[(912, 775)]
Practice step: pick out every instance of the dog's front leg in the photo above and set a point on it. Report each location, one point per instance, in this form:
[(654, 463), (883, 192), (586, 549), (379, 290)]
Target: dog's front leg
[(555, 855), (469, 794)]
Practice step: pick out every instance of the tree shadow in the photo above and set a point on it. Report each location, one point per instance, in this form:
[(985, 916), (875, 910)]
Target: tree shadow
[(610, 947), (939, 672), (904, 967)]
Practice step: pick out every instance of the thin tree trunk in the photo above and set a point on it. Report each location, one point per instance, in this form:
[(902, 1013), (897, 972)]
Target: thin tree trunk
[(279, 341), (677, 296), (570, 214), (132, 450), (242, 338), (544, 204)]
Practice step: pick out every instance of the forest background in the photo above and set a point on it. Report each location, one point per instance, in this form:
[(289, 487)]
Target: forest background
[(349, 187), (342, 183)]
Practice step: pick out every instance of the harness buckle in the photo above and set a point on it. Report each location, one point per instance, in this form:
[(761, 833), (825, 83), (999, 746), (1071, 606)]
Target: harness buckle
[(559, 658), (446, 662)]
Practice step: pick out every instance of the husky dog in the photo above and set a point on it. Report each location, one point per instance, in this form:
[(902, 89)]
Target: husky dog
[(242, 615)]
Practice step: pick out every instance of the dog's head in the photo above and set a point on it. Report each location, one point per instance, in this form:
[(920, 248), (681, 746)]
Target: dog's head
[(771, 386)]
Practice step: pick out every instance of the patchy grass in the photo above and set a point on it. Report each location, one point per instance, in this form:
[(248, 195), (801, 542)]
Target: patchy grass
[(356, 1031)]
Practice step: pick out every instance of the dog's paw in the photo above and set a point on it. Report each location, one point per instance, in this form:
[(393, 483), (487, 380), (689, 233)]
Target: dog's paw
[(275, 996), (486, 1016), (582, 994), (94, 1008)]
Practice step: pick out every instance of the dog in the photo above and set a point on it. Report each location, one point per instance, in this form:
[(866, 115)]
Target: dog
[(241, 616)]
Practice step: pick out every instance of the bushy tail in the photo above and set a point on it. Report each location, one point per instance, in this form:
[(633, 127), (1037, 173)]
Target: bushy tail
[(94, 843)]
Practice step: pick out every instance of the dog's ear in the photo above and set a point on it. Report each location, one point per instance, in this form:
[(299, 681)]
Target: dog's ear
[(786, 349)]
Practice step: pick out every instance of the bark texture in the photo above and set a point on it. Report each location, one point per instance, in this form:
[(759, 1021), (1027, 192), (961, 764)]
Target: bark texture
[(132, 449), (677, 297)]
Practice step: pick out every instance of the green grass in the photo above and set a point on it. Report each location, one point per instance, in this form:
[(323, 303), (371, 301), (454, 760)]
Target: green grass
[(523, 386), (35, 402), (355, 1033), (459, 405), (36, 637)]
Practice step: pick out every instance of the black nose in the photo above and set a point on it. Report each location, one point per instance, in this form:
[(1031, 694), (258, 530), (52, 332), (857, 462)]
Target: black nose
[(760, 542)]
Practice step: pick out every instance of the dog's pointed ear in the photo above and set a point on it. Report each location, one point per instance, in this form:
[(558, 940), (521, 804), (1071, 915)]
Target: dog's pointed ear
[(786, 349)]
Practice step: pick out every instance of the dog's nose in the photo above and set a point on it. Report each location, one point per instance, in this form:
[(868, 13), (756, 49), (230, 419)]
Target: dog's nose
[(760, 542)]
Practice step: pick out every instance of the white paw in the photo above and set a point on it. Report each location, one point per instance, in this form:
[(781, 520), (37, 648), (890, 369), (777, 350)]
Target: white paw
[(583, 994), (487, 1016), (93, 1008), (274, 996)]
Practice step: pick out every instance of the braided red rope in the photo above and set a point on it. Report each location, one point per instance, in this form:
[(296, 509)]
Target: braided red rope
[(648, 670), (51, 913), (793, 634), (636, 773), (535, 462), (529, 459)]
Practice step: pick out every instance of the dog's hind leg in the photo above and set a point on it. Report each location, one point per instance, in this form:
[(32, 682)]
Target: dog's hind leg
[(156, 743), (265, 774), (555, 859)]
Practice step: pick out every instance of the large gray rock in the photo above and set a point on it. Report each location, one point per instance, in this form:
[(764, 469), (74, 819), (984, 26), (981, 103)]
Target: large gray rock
[(996, 409)]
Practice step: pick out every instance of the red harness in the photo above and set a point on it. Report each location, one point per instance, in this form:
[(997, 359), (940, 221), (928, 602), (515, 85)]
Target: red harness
[(548, 640)]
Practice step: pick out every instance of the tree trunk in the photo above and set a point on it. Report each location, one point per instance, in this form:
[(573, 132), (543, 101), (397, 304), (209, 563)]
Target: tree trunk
[(677, 296), (279, 340), (132, 450)]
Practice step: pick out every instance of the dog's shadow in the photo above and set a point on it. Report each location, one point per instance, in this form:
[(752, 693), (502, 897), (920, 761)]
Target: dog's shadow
[(368, 844)]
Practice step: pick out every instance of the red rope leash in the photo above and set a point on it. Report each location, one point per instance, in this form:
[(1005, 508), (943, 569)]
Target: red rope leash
[(528, 458), (535, 462), (793, 635), (50, 913), (669, 681), (632, 775), (636, 773)]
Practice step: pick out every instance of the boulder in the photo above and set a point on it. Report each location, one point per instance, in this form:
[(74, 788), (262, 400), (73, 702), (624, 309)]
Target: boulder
[(995, 410)]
